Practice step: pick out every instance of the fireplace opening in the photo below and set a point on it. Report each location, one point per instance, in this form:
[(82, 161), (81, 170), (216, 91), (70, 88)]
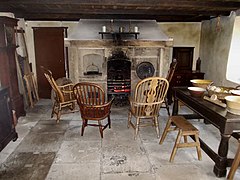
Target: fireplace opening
[(119, 78)]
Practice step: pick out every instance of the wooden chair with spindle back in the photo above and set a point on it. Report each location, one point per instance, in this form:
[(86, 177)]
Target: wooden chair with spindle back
[(148, 98), (169, 77), (63, 95), (91, 100)]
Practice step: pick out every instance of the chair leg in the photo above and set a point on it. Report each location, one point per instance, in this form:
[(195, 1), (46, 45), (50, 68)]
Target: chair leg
[(198, 147), (167, 106), (109, 122), (59, 113), (53, 109), (137, 128), (157, 126), (185, 139), (165, 131), (176, 145), (100, 128), (129, 118), (235, 164), (84, 121)]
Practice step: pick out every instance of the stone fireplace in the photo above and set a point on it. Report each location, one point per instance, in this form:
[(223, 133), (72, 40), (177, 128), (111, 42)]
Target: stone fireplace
[(93, 58), (92, 61)]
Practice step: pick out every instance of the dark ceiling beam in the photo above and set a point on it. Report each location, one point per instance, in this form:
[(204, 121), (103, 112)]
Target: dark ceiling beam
[(151, 4), (121, 11), (76, 17), (173, 3), (161, 10)]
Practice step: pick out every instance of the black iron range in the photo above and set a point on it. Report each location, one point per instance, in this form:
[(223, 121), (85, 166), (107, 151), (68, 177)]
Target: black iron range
[(119, 78)]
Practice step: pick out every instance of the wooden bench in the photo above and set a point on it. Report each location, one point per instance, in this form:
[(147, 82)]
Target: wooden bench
[(185, 129)]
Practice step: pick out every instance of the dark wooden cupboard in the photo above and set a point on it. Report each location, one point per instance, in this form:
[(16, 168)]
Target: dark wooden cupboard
[(8, 71), (7, 128)]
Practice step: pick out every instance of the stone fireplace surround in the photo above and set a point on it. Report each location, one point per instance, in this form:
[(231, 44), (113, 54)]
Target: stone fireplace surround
[(85, 54)]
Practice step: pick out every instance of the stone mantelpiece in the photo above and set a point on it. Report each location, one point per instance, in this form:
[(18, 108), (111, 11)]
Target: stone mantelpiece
[(83, 53)]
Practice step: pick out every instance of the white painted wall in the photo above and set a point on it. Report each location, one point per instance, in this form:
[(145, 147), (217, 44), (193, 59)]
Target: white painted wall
[(185, 34)]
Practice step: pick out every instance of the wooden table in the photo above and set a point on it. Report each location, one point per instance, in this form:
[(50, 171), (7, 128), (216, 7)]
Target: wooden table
[(227, 123)]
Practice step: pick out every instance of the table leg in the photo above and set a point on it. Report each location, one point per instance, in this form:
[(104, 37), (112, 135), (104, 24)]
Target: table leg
[(221, 163), (175, 107)]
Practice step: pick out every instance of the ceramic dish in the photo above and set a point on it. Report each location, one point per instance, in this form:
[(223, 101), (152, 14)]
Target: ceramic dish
[(203, 83), (196, 91), (233, 104), (235, 92)]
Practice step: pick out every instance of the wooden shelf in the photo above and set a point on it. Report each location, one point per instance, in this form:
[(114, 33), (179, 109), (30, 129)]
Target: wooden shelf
[(117, 35)]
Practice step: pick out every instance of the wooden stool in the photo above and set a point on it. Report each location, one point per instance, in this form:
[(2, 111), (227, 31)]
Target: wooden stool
[(185, 129), (235, 164)]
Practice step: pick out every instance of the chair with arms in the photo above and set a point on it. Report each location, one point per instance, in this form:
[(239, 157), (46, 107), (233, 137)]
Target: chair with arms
[(148, 98), (171, 71), (63, 95), (91, 100)]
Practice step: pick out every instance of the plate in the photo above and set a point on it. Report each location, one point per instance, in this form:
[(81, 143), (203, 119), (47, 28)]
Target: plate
[(235, 92), (145, 70)]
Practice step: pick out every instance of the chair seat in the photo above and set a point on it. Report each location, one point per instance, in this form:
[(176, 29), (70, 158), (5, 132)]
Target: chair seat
[(95, 113), (183, 124)]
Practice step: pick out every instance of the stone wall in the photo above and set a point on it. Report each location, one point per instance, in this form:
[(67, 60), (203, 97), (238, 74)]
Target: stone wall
[(214, 48)]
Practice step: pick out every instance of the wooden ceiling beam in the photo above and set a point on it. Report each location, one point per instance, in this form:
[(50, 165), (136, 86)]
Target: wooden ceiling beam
[(171, 10), (76, 17), (93, 10), (173, 3)]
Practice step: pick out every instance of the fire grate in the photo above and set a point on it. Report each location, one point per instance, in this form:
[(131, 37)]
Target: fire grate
[(119, 78)]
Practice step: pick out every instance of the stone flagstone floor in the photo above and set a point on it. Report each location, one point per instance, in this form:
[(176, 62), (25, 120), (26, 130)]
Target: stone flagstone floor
[(46, 150)]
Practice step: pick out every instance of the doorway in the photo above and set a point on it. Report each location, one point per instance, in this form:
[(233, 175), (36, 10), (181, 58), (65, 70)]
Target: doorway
[(49, 52), (184, 57)]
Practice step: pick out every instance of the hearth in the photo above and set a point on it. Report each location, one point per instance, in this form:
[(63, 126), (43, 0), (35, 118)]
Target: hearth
[(119, 78)]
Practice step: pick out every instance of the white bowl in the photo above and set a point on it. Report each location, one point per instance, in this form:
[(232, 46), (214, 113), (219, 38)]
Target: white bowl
[(233, 104), (196, 91)]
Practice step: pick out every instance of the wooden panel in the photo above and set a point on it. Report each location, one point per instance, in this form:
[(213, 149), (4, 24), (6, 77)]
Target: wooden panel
[(8, 72), (7, 130)]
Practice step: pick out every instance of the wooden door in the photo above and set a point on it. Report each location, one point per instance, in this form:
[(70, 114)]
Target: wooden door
[(184, 57), (49, 52)]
